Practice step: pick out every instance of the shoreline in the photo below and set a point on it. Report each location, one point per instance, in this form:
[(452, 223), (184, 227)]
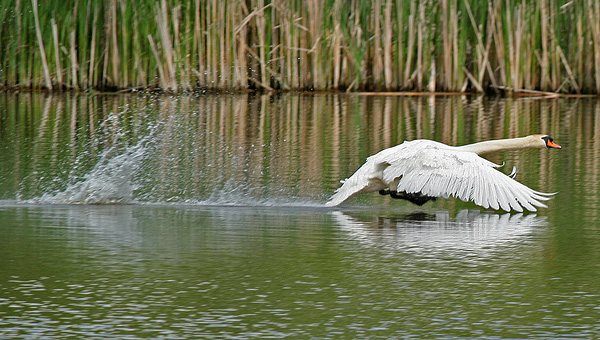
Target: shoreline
[(504, 92)]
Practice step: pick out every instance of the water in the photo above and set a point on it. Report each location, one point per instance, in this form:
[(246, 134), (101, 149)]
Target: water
[(138, 217)]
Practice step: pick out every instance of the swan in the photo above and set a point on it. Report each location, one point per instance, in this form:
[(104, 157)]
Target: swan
[(422, 170)]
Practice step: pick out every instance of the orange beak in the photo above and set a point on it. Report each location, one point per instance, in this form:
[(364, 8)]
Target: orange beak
[(553, 145)]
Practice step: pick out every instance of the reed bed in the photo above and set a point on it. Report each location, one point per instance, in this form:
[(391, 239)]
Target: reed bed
[(351, 45)]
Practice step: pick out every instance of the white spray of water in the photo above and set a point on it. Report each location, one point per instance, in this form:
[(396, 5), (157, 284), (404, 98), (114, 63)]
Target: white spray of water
[(134, 174), (109, 182)]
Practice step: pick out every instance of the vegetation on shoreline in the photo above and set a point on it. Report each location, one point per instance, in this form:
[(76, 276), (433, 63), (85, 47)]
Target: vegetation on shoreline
[(379, 45)]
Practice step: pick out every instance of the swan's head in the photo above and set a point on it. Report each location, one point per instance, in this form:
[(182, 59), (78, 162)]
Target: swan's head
[(548, 142)]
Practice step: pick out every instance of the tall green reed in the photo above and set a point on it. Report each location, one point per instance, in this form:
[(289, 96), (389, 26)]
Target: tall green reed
[(380, 45)]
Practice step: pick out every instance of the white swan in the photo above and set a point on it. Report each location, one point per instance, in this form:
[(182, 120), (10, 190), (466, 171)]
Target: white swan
[(422, 170)]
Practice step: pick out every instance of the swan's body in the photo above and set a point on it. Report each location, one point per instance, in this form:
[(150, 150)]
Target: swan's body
[(422, 170)]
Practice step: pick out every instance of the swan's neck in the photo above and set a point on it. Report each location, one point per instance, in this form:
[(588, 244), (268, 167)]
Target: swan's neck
[(501, 145)]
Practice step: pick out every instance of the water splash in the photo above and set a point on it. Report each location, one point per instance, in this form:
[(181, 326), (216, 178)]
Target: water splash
[(109, 182), (172, 151), (158, 169)]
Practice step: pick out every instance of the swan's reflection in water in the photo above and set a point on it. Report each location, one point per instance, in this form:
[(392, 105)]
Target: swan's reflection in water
[(468, 231)]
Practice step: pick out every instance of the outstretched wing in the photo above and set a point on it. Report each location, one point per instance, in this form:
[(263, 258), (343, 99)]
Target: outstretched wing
[(369, 177), (444, 172)]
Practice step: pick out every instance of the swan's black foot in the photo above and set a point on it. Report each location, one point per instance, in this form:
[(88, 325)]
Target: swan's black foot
[(398, 195), (416, 198), (384, 192)]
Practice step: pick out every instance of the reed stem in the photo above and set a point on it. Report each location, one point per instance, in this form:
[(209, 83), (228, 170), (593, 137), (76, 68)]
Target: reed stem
[(38, 31)]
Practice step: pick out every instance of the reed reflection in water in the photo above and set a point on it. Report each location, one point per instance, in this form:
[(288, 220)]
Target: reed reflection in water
[(247, 149)]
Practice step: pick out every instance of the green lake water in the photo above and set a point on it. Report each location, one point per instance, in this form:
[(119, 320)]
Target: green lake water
[(202, 217)]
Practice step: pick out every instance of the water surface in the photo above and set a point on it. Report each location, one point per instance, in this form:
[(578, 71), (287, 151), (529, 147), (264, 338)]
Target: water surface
[(145, 216)]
